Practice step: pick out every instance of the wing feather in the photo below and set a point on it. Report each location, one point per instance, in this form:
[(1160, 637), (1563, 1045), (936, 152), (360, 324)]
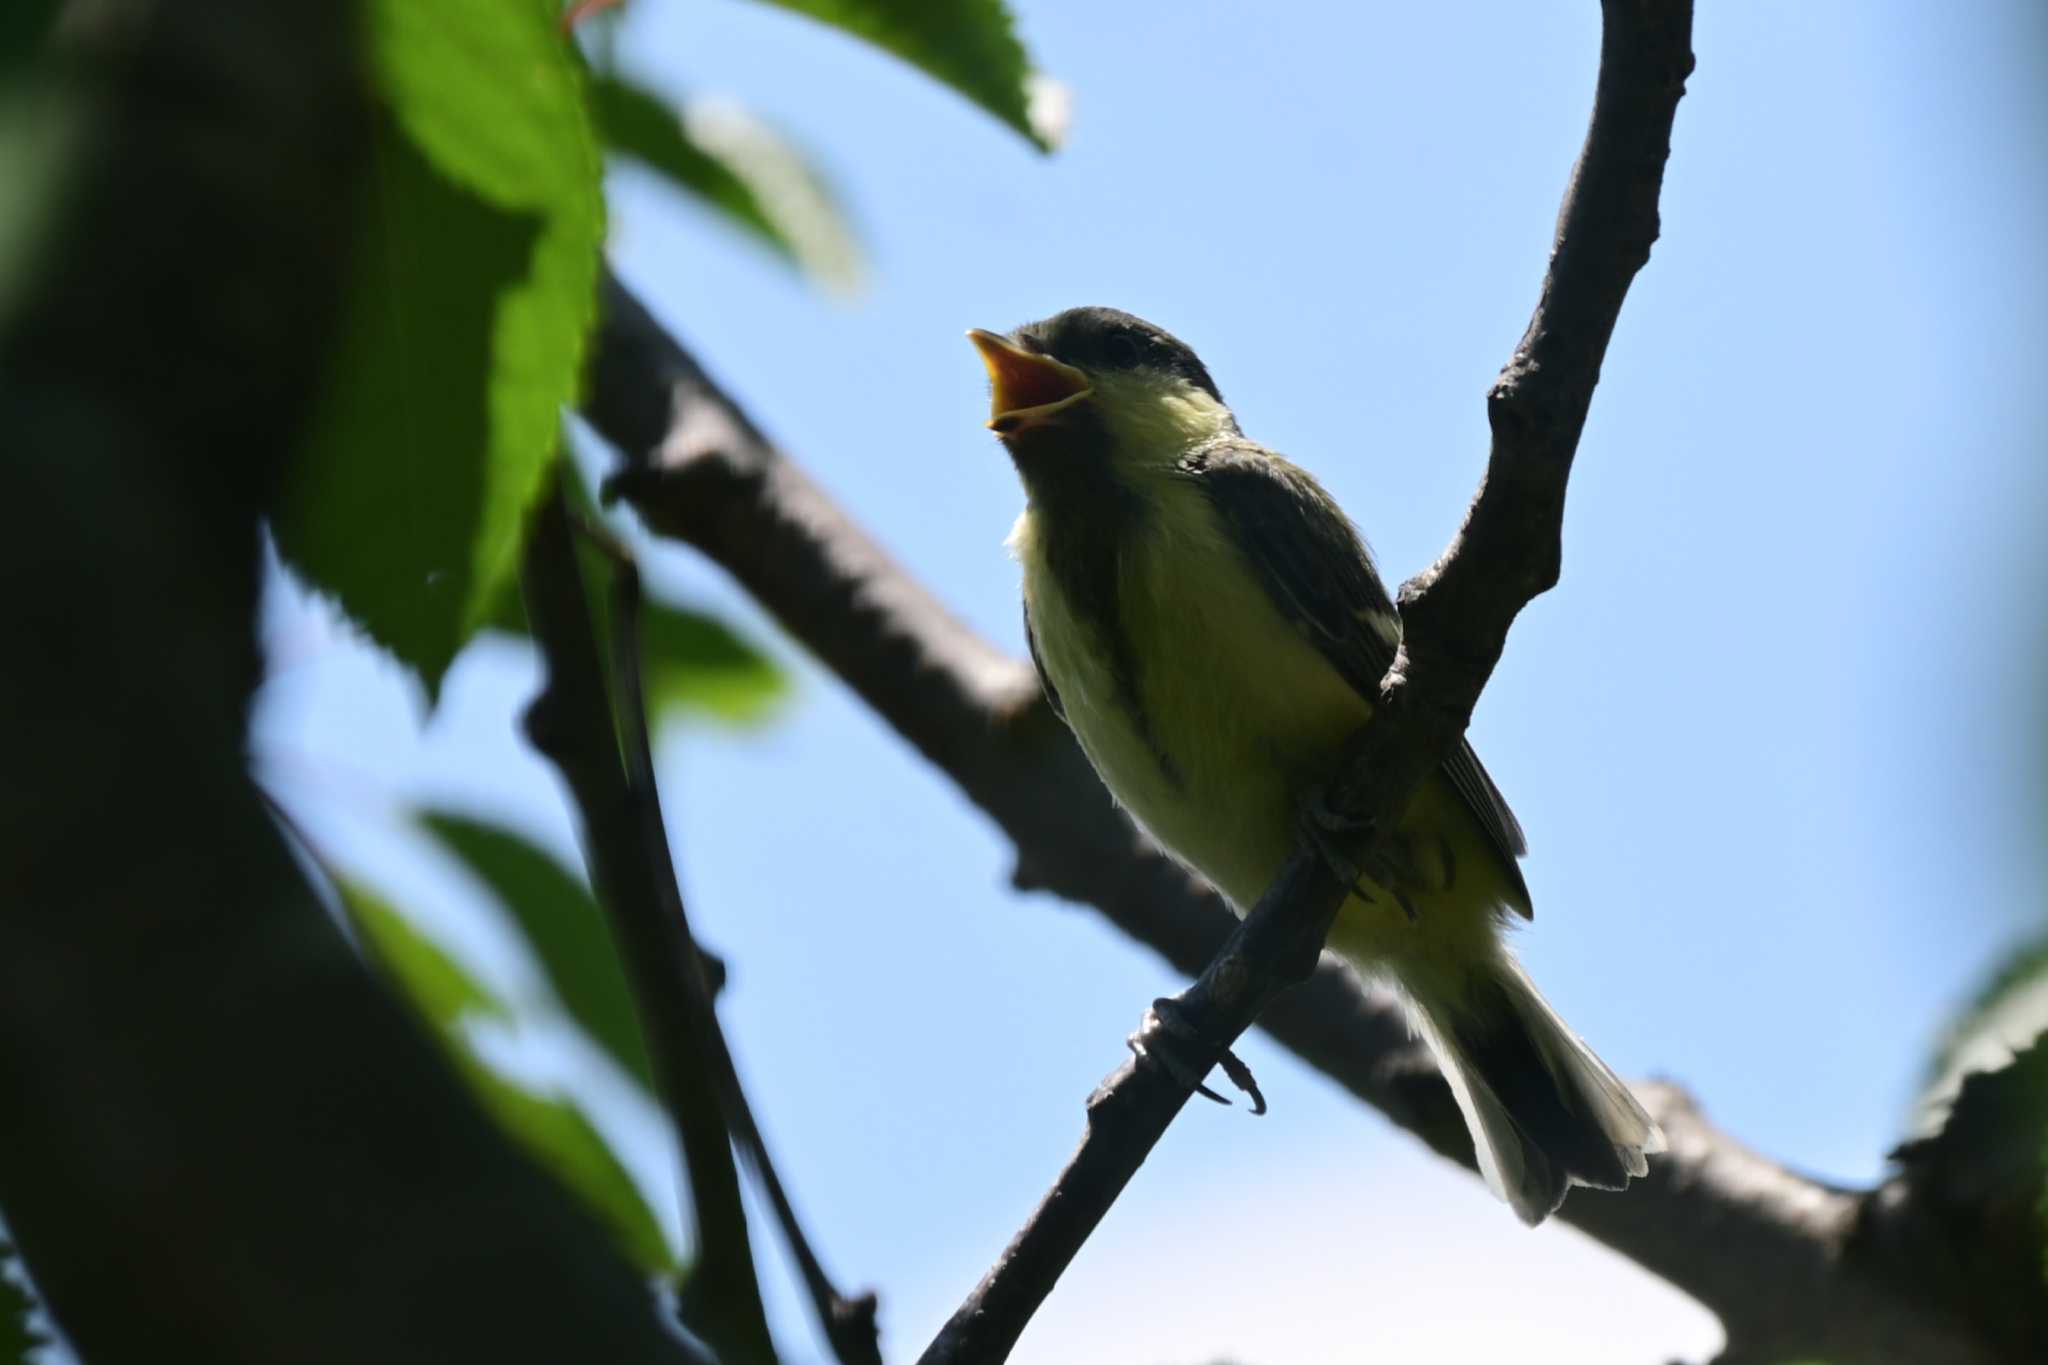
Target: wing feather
[(1321, 576)]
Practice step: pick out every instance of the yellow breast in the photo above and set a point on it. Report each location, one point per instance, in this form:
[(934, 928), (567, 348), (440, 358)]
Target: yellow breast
[(1245, 710)]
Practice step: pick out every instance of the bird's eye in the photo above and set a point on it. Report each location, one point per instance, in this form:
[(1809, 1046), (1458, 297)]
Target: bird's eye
[(1121, 350)]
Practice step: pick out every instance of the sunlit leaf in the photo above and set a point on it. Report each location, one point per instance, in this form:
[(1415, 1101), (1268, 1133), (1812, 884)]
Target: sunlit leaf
[(1989, 1142), (696, 662), (970, 45), (554, 1129), (468, 322), (440, 990), (726, 158), (1979, 1179), (2008, 1013), (1978, 1163), (565, 927)]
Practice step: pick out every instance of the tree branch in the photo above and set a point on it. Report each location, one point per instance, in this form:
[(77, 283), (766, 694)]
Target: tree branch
[(220, 1138), (1455, 620), (847, 1322), (571, 723), (1774, 1254)]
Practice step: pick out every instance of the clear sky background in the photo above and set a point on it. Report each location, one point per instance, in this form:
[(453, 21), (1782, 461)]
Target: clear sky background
[(1775, 738)]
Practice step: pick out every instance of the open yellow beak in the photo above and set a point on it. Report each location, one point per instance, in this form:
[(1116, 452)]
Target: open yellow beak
[(1028, 388)]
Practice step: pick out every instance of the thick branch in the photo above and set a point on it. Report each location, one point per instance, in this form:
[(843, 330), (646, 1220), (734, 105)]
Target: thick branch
[(1757, 1243), (220, 1138)]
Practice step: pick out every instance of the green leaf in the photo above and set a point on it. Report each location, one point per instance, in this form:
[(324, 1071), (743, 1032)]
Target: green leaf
[(562, 1136), (554, 1129), (970, 45), (387, 506), (17, 1337), (1980, 1181), (468, 323), (564, 925), (697, 663), (726, 158), (1989, 1142), (443, 993), (2008, 1013)]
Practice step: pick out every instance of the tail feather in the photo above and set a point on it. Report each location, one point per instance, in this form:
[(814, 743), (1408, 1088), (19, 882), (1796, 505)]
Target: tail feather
[(1545, 1113)]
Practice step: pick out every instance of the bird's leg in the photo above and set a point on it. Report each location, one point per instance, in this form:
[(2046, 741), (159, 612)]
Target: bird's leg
[(1167, 1018), (1321, 825), (1332, 834)]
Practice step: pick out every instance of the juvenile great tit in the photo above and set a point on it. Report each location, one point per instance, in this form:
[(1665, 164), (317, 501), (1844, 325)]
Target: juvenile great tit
[(1208, 623)]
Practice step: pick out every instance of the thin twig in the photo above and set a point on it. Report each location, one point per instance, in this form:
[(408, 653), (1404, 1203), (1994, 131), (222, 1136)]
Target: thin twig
[(571, 723), (848, 1323), (1275, 947)]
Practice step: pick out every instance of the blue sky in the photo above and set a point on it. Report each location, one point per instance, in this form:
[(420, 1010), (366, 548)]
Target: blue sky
[(1775, 738)]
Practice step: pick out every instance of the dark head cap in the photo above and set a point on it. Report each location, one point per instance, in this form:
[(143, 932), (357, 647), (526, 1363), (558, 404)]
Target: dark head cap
[(1106, 340)]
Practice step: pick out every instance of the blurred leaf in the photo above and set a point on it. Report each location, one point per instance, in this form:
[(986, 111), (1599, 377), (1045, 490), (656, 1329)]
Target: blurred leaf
[(1978, 1161), (439, 989), (564, 925), (43, 123), (24, 27), (554, 1129), (1989, 1145), (559, 1132), (725, 157), (2008, 1013), (579, 10), (17, 1337), (467, 329), (696, 662), (970, 45), (1981, 1180)]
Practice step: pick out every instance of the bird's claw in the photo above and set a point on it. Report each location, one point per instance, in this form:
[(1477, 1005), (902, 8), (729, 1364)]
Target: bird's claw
[(1322, 825), (1165, 1017)]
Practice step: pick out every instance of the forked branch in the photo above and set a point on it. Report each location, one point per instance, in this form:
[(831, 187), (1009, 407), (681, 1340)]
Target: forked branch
[(1791, 1266)]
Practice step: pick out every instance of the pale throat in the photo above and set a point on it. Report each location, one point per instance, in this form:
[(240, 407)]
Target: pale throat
[(1154, 419)]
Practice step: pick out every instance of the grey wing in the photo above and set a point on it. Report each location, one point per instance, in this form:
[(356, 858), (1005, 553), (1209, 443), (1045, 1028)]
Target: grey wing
[(1052, 694), (1321, 575)]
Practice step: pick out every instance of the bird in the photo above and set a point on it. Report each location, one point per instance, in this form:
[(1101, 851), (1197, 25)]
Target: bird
[(1211, 627)]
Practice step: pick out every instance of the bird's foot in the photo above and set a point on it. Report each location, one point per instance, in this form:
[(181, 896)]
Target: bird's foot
[(1332, 834), (1327, 830), (1162, 1039)]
